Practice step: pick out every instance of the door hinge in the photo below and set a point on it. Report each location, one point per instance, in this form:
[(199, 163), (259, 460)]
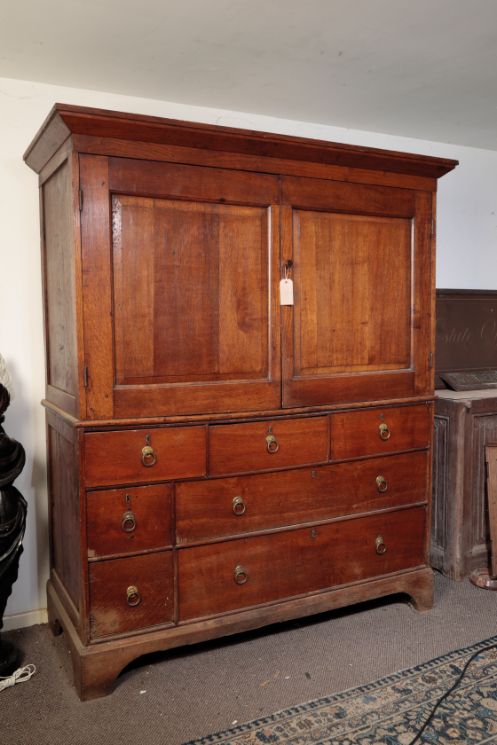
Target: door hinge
[(85, 376), (430, 360), (81, 199)]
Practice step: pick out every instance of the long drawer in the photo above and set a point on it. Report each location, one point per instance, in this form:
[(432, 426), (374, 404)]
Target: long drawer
[(132, 456), (240, 573), (121, 521), (268, 445), (221, 507), (383, 430), (131, 593)]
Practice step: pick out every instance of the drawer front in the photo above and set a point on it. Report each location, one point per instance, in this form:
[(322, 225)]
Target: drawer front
[(246, 572), (141, 455), (121, 521), (373, 431), (130, 594), (261, 446), (222, 507)]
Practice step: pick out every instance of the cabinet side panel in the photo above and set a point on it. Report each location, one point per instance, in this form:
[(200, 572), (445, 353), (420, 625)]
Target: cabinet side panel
[(64, 507), (60, 314)]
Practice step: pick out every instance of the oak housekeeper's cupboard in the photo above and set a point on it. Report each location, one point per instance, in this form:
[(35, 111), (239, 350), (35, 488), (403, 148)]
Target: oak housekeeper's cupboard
[(219, 460)]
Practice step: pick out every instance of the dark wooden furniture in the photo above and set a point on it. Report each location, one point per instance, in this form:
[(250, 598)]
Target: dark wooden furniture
[(466, 339), (491, 461), (465, 422), (219, 461), (485, 577)]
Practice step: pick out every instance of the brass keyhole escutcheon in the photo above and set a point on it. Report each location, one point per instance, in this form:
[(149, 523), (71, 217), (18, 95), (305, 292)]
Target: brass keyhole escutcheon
[(272, 444), (381, 484), (149, 456), (241, 575), (239, 506), (380, 545), (128, 522), (384, 431), (133, 597)]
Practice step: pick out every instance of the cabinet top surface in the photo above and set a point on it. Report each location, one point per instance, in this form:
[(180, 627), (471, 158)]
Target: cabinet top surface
[(466, 395), (65, 121)]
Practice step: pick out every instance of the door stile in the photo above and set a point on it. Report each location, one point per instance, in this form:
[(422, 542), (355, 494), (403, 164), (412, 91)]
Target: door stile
[(97, 285), (423, 328), (287, 311)]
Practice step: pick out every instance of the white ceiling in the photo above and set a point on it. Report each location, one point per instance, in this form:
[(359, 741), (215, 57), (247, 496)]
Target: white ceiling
[(419, 68)]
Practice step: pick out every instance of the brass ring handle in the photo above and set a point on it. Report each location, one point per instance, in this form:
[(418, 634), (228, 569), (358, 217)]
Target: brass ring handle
[(381, 484), (272, 444), (384, 431), (241, 575), (380, 546), (239, 506), (128, 523), (133, 597), (149, 457)]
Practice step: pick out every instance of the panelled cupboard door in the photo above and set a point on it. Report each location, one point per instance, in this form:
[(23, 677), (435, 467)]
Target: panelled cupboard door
[(180, 273), (360, 328)]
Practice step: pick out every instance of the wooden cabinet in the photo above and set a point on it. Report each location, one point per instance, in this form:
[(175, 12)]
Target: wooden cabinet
[(219, 460), (465, 422)]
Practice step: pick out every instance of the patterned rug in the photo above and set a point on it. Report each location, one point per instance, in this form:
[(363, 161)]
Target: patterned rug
[(390, 711)]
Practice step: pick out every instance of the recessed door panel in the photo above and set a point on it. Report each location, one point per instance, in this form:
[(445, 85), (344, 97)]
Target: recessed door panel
[(362, 283), (363, 266), (191, 296)]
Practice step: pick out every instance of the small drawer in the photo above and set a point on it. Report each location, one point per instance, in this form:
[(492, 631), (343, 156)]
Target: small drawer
[(130, 594), (121, 521), (207, 510), (373, 431), (132, 456), (250, 571), (268, 445)]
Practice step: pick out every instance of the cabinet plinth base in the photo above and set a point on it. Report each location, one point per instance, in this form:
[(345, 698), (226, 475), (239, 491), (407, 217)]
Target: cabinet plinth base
[(96, 666)]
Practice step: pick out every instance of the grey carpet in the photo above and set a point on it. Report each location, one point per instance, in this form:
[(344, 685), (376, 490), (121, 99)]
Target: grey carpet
[(185, 694)]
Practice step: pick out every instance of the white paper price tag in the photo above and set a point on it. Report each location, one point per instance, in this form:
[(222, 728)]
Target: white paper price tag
[(286, 292)]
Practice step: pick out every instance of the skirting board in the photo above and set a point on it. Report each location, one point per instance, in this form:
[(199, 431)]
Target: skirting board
[(22, 620)]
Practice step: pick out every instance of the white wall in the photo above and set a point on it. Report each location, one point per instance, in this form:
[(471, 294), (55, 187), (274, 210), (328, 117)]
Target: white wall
[(467, 257)]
